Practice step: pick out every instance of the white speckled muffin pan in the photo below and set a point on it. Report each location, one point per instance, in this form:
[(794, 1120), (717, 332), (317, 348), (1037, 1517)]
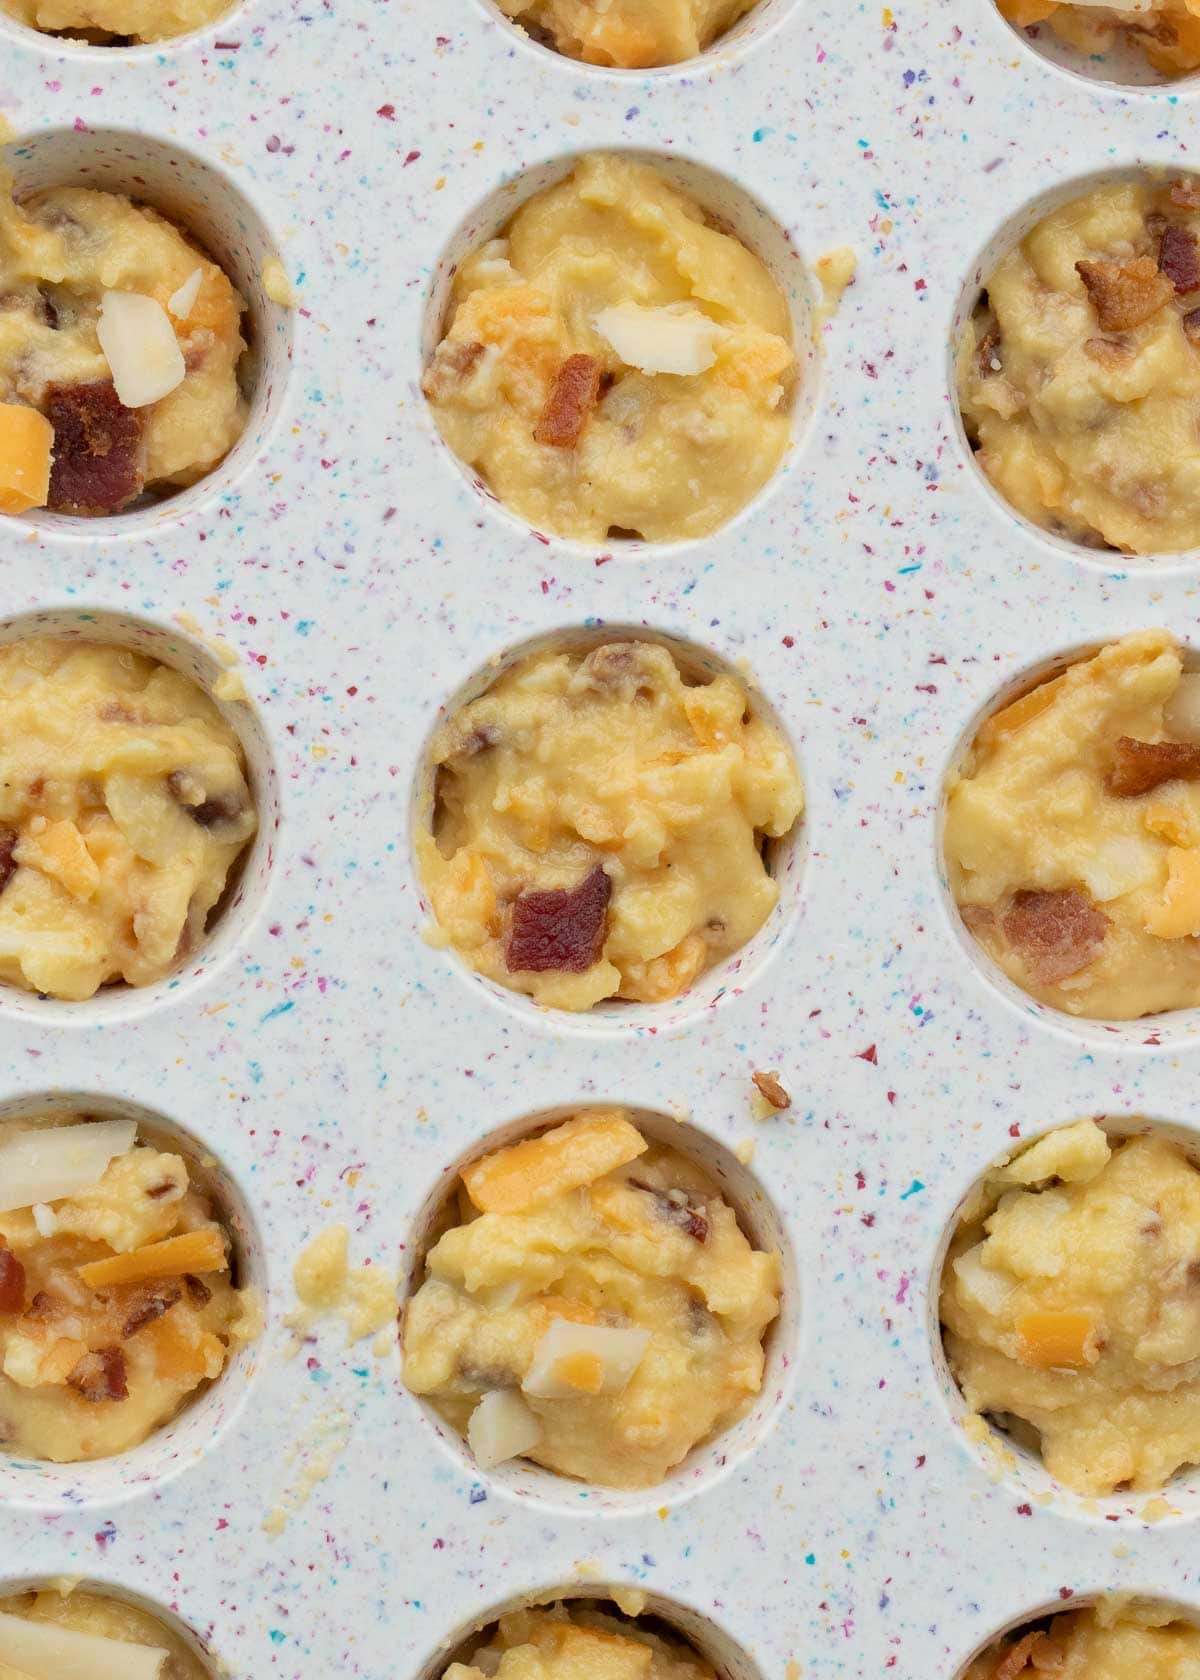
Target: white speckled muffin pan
[(336, 1067)]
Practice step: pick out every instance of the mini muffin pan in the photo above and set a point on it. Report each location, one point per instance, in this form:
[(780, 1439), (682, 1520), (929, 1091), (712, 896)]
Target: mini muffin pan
[(335, 1066)]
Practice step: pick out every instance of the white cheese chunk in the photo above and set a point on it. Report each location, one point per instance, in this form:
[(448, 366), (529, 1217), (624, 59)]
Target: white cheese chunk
[(45, 1219), (1181, 714), (980, 1284), (140, 346), (46, 1651), (45, 1166), (673, 339), (501, 1427), (578, 1359), (182, 302)]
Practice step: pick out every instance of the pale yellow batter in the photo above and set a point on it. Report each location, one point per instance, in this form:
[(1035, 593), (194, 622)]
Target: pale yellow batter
[(593, 1306), (1071, 1306), (1117, 1640), (1072, 835), (1166, 31), (1079, 373), (627, 34), (94, 1358), (110, 1623), (115, 23), (123, 810), (615, 363), (65, 255), (578, 1641), (611, 776)]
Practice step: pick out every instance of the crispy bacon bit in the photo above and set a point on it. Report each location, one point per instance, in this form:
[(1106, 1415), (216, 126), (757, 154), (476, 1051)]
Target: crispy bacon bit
[(1179, 259), (673, 1206), (573, 396), (772, 1091), (12, 1281), (559, 930), (1056, 933), (97, 464), (987, 355), (1109, 352), (453, 364), (1186, 193), (150, 1303), (198, 1291), (8, 845), (479, 740), (223, 807), (44, 1306), (1124, 294), (1016, 1659), (1141, 766), (100, 1375), (157, 1191)]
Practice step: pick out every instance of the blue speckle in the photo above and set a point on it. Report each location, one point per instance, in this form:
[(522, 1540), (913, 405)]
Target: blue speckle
[(279, 1009), (912, 1189)]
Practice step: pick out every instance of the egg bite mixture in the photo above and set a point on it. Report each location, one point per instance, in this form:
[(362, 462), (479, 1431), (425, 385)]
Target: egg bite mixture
[(66, 1631), (593, 1305), (1072, 834), (115, 23), (616, 363), (1071, 1306), (599, 825), (116, 1301), (1117, 1639), (628, 34), (1079, 371), (578, 1641), (123, 810), (1166, 31), (119, 348)]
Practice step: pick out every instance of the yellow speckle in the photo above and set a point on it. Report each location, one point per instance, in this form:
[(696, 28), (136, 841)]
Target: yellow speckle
[(664, 1511), (352, 1178), (898, 778), (478, 146), (216, 1008), (439, 183), (792, 1671), (889, 17), (297, 962), (319, 751), (845, 1553)]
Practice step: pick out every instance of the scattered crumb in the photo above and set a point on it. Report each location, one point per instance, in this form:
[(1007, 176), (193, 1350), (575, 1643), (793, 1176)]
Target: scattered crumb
[(792, 1670), (364, 1296), (1154, 1510), (631, 1601), (277, 285), (229, 686), (7, 131), (771, 1097), (744, 1151), (835, 271), (319, 1452)]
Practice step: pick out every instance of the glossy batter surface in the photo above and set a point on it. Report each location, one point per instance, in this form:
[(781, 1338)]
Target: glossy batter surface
[(123, 809), (1080, 386), (1072, 834), (660, 454), (577, 1642), (1117, 1640), (626, 34), (61, 252), (1071, 1304), (602, 1229), (610, 760), (1166, 31), (91, 1369), (96, 1614)]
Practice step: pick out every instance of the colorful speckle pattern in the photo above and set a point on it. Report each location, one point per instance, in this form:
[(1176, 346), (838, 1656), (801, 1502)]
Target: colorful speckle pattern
[(335, 1063)]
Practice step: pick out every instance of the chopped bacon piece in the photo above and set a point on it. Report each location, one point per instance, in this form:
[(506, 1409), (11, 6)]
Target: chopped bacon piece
[(1140, 766), (573, 396), (97, 464), (1186, 193), (198, 1292), (1016, 1659), (674, 1207), (222, 807), (453, 364), (1124, 294), (150, 1303), (100, 1375), (560, 930), (1056, 933), (8, 845), (987, 354), (12, 1281), (1179, 259), (772, 1091)]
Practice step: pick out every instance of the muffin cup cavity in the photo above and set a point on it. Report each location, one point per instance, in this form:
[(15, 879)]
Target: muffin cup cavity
[(1149, 1034), (784, 857), (221, 217), (1120, 68), (736, 211), (201, 1425), (661, 1613), (706, 1464), (249, 880), (1180, 1609), (999, 1456)]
